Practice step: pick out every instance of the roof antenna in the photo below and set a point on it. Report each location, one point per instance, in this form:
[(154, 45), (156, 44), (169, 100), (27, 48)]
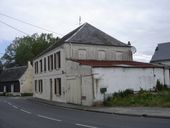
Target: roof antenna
[(79, 20)]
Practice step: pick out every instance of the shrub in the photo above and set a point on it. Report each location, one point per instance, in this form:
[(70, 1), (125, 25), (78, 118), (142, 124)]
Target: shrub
[(160, 86), (124, 93)]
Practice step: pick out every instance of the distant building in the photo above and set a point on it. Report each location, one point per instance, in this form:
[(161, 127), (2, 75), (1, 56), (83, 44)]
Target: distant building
[(162, 54), (16, 80)]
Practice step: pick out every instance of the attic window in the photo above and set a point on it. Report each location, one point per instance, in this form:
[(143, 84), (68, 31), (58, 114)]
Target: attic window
[(82, 54), (101, 55), (119, 55)]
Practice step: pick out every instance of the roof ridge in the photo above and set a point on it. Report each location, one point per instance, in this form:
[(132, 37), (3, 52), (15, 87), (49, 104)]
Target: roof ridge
[(163, 43), (75, 32), (16, 67)]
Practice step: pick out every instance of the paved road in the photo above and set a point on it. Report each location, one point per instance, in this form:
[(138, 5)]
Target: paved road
[(22, 113)]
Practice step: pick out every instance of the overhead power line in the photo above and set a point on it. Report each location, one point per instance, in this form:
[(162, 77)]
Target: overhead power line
[(13, 27), (16, 19)]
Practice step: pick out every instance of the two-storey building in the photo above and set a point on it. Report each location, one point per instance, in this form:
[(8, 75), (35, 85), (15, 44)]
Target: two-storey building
[(59, 77)]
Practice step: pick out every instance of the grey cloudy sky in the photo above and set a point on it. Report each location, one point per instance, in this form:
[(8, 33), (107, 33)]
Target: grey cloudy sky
[(143, 22)]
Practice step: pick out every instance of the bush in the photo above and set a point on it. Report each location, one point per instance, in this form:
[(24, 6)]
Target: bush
[(124, 93), (160, 86)]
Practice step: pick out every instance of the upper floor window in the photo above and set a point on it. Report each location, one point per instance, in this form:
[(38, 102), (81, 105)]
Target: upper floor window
[(49, 66), (101, 55), (82, 54), (45, 64), (41, 66), (36, 67), (57, 60), (51, 61)]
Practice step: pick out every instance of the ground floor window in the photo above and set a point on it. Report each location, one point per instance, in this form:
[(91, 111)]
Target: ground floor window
[(57, 86), (40, 84), (35, 83), (10, 87)]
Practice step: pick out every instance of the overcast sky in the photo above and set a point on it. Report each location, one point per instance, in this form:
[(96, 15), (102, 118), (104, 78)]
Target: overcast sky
[(143, 22)]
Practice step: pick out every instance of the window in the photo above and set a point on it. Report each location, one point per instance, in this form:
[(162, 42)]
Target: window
[(57, 60), (57, 86), (41, 67), (82, 54), (36, 67), (45, 65), (35, 85), (51, 58), (40, 84), (49, 63), (101, 55), (119, 55), (113, 55)]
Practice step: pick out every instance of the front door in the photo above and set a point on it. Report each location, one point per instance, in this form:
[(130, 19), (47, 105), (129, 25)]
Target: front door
[(73, 92)]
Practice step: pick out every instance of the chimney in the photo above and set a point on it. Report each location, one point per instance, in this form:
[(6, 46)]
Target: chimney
[(29, 64), (129, 43)]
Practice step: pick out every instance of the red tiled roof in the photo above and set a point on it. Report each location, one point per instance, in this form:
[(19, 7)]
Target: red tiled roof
[(101, 63)]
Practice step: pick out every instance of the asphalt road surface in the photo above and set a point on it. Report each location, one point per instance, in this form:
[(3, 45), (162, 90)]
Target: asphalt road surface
[(23, 113)]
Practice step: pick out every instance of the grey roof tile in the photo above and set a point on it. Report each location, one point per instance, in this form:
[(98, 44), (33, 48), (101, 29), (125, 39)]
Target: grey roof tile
[(86, 34), (12, 74), (162, 52)]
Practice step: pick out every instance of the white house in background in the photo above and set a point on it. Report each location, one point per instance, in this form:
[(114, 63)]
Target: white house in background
[(162, 54), (16, 80), (74, 69)]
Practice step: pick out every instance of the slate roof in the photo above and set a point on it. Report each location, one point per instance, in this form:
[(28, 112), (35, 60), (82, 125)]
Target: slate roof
[(12, 74), (101, 63), (162, 52), (87, 34)]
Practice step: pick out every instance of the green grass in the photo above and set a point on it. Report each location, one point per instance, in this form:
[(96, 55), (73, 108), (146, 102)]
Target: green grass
[(142, 98)]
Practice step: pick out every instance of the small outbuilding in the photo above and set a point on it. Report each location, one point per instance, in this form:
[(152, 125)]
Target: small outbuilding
[(93, 76), (16, 80)]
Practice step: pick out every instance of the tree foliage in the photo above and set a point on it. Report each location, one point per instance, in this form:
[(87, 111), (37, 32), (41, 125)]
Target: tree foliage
[(24, 49)]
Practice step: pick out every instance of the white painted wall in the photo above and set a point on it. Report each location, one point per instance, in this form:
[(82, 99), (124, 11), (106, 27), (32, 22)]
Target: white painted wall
[(119, 78), (93, 51), (76, 80), (81, 77), (26, 80)]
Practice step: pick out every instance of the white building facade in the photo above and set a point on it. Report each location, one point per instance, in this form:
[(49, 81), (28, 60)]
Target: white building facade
[(74, 69), (55, 75)]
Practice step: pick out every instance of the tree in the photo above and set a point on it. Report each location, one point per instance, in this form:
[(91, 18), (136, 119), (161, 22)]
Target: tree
[(1, 66), (24, 49), (9, 57)]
